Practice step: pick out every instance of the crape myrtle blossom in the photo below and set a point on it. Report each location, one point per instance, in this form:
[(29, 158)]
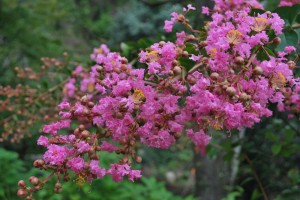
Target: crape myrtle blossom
[(227, 86)]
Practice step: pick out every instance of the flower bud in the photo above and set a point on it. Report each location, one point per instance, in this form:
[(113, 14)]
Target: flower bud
[(99, 69), (258, 70), (239, 60), (203, 44), (230, 91), (185, 54), (22, 184), (90, 104), (214, 76), (181, 18), (85, 134), (81, 127), (57, 190), (34, 180), (22, 193), (276, 41), (138, 159), (244, 97), (171, 73), (124, 61), (177, 135), (191, 80), (291, 65), (177, 70), (57, 185)]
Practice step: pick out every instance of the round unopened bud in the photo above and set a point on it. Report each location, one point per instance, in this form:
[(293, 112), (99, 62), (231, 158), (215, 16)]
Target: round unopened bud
[(230, 91), (85, 134), (269, 14), (124, 61), (180, 18), (57, 190), (83, 100), (214, 76), (185, 54), (34, 180), (291, 65), (239, 60), (119, 115), (123, 67), (22, 184), (276, 41), (171, 73), (177, 135), (203, 44), (191, 80), (28, 198), (90, 104), (77, 132), (258, 70), (177, 70), (138, 159), (22, 193), (204, 60), (81, 127), (99, 69), (244, 97), (57, 185)]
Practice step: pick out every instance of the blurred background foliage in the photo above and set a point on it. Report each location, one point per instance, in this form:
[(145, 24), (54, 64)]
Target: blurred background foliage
[(237, 165)]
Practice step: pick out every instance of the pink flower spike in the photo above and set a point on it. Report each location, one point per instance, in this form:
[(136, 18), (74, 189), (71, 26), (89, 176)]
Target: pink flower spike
[(290, 49), (205, 10)]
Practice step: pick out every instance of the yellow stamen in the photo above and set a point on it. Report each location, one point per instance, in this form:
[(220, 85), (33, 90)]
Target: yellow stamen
[(278, 80), (138, 96), (153, 56), (90, 87), (260, 24), (234, 37), (99, 51), (212, 52), (80, 180)]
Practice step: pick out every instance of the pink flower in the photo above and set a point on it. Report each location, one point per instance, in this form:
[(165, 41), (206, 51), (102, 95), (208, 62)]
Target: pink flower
[(64, 105), (180, 37), (134, 174), (170, 23), (290, 49), (55, 155), (76, 164), (205, 10), (105, 146), (189, 7), (54, 127), (83, 147), (43, 141), (96, 170), (200, 139)]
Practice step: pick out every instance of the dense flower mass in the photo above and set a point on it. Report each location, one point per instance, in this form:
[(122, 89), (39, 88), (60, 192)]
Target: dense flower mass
[(229, 85)]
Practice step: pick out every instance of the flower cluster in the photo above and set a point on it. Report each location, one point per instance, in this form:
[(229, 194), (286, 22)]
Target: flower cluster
[(232, 80)]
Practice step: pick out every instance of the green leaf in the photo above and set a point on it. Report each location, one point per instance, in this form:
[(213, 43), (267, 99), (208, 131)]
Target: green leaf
[(276, 148), (288, 14), (186, 63), (288, 38), (190, 48), (126, 49), (255, 11), (144, 43)]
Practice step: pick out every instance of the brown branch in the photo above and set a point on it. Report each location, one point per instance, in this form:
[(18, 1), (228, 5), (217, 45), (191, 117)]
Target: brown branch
[(256, 177)]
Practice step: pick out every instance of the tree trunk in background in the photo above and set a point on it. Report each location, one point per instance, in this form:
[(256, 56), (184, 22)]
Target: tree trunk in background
[(212, 174)]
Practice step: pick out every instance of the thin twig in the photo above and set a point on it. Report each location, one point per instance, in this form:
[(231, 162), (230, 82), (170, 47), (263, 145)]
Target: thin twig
[(256, 177)]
